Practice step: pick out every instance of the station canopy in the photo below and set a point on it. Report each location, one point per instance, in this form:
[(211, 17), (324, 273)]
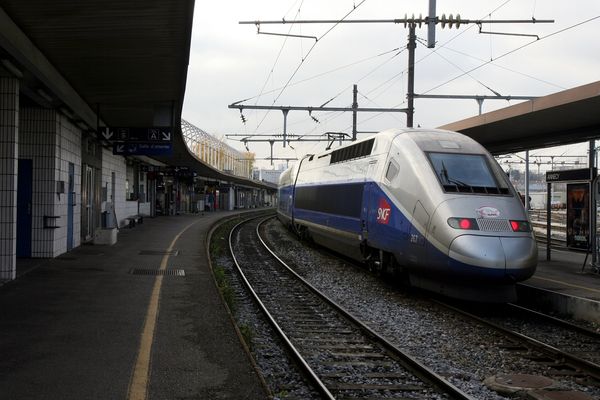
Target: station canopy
[(566, 117), (105, 63)]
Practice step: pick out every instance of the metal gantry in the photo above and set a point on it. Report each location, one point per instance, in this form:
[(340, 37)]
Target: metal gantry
[(329, 137), (412, 23), (286, 109)]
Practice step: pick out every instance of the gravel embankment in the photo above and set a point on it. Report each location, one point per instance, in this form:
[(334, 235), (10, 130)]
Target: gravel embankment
[(464, 352)]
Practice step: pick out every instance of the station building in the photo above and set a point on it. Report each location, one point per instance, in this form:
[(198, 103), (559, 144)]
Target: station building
[(69, 172)]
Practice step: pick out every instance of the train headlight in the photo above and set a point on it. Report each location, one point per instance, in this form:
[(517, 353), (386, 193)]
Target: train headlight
[(463, 223), (520, 226)]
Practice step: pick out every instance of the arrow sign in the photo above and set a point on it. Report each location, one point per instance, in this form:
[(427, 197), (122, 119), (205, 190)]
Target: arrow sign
[(136, 134), (107, 133), (119, 149)]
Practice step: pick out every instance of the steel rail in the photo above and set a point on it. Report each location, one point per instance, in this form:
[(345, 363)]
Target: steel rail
[(558, 321), (295, 353), (423, 371), (589, 367)]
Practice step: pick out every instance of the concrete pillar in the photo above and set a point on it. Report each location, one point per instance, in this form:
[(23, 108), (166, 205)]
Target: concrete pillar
[(9, 155)]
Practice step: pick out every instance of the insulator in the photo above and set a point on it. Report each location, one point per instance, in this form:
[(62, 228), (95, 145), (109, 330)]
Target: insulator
[(420, 20), (443, 21), (405, 19), (457, 20), (450, 21)]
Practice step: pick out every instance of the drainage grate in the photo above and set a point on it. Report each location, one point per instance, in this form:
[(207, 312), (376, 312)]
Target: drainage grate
[(158, 252), (165, 272)]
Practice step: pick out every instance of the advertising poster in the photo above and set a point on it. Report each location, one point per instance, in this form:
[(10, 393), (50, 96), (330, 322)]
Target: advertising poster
[(578, 222)]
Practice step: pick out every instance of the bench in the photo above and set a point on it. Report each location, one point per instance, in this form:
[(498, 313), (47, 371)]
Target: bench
[(134, 219)]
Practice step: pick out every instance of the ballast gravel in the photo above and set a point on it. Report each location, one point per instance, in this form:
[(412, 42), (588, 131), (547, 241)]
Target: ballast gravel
[(463, 352)]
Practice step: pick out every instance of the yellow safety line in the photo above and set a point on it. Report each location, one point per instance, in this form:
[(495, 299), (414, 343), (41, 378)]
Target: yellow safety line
[(138, 387), (567, 284)]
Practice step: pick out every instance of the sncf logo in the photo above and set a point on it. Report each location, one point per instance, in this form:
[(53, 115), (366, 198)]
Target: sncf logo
[(383, 212)]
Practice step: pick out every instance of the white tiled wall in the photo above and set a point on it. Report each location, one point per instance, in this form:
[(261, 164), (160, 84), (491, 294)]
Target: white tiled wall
[(113, 163), (69, 148), (9, 153), (52, 142)]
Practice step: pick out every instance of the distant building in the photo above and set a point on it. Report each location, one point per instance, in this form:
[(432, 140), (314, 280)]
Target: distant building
[(267, 175)]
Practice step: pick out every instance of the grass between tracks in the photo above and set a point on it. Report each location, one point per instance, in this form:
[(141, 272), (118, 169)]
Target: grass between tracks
[(218, 250)]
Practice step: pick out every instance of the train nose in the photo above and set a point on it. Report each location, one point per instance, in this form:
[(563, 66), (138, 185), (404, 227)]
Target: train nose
[(512, 257)]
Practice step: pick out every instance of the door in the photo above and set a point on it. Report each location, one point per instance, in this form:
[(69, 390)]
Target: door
[(70, 206), (24, 198), (369, 203), (87, 203)]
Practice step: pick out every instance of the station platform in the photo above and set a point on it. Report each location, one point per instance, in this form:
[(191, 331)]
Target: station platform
[(100, 323), (566, 285)]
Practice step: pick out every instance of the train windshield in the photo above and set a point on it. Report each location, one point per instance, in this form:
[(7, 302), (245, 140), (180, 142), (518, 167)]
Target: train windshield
[(466, 173)]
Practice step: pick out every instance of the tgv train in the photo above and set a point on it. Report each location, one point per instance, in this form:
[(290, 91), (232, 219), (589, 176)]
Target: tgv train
[(432, 205)]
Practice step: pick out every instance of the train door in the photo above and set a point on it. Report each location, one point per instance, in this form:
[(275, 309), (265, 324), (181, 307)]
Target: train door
[(369, 201), (420, 219), (24, 199)]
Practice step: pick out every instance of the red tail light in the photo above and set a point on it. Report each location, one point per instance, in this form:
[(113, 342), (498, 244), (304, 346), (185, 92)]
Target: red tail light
[(463, 223), (520, 226)]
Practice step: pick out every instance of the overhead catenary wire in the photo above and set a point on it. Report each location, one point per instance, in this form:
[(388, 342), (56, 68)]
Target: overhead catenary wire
[(397, 51), (504, 68), (279, 53), (514, 51), (462, 70), (423, 58), (336, 69), (467, 72), (339, 21), (307, 55)]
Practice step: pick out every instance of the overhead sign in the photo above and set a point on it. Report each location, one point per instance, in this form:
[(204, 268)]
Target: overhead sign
[(142, 149), (582, 174), (128, 134)]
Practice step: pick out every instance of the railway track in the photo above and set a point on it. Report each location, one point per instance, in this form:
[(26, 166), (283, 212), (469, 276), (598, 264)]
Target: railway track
[(572, 338), (340, 355), (562, 349), (468, 350)]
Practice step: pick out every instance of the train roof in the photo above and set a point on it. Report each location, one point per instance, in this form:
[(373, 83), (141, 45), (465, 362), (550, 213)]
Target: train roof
[(425, 139)]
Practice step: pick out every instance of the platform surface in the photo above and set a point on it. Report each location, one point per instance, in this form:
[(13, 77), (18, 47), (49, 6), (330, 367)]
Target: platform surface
[(566, 273), (72, 327)]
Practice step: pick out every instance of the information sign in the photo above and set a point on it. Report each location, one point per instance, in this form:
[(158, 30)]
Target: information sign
[(143, 149), (132, 134)]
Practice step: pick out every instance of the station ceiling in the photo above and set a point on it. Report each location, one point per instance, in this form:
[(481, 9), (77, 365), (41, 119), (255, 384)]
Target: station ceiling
[(106, 62), (566, 117)]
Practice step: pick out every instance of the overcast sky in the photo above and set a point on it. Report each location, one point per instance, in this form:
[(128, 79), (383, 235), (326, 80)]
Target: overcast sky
[(230, 62)]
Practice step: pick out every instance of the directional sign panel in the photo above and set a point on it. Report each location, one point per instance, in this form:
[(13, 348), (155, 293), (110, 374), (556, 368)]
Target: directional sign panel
[(143, 149), (128, 134)]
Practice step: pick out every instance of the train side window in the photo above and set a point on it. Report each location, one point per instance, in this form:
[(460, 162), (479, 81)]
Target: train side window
[(392, 171)]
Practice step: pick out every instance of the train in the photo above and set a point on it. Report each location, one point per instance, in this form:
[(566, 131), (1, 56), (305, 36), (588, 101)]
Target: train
[(430, 205)]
